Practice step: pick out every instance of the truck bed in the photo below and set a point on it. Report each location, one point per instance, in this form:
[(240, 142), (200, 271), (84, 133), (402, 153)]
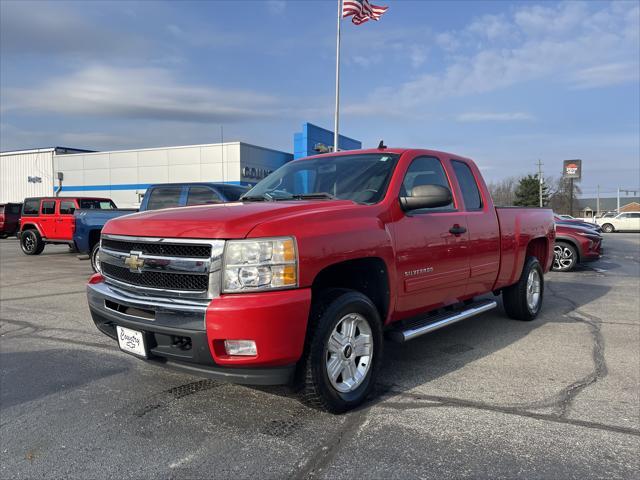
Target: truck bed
[(518, 227)]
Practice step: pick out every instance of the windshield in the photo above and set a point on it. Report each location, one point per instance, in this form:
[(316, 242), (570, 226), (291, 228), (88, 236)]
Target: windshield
[(362, 178), (97, 204), (232, 192)]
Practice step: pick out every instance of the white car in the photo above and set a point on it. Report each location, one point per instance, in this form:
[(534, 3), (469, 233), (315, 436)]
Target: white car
[(622, 222)]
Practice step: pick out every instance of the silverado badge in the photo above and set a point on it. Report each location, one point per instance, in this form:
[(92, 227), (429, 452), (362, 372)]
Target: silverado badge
[(134, 262)]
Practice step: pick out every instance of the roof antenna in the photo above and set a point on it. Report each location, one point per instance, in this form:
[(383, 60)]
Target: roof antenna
[(381, 145)]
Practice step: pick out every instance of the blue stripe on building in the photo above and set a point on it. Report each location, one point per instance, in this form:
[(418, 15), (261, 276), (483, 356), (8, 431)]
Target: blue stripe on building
[(125, 186)]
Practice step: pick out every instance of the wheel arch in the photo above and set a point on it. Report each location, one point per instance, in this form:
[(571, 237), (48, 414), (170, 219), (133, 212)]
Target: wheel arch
[(94, 237), (31, 226), (368, 275), (539, 248)]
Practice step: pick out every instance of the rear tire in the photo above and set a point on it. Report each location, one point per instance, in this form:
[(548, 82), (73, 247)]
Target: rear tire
[(565, 257), (95, 258), (523, 301), (344, 351), (608, 228), (31, 242)]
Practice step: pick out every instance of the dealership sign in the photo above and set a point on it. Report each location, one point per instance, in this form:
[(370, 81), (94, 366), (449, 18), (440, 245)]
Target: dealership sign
[(572, 169), (255, 173)]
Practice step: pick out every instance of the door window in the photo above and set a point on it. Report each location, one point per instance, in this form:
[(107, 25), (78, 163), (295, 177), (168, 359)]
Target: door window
[(425, 171), (31, 207), (164, 197), (67, 207), (202, 196), (48, 207), (468, 185)]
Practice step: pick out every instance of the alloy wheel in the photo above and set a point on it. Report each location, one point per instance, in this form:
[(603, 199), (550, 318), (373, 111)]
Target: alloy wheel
[(349, 353), (533, 290), (563, 257)]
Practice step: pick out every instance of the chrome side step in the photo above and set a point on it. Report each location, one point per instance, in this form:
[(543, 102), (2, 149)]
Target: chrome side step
[(422, 326)]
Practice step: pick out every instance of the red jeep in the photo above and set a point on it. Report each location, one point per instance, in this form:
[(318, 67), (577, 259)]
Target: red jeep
[(50, 220)]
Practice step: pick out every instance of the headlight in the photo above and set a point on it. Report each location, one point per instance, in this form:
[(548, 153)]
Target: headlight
[(262, 264)]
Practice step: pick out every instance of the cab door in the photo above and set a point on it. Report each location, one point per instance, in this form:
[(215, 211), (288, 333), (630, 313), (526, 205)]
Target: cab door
[(484, 233), (432, 257), (65, 220), (47, 218)]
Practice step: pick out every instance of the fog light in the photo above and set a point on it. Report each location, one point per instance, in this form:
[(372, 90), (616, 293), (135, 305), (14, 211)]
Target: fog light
[(241, 347)]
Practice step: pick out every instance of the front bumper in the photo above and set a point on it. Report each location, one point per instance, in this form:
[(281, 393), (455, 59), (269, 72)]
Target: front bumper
[(592, 250), (189, 335)]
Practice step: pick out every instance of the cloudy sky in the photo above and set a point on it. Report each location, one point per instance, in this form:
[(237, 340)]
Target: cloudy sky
[(503, 82)]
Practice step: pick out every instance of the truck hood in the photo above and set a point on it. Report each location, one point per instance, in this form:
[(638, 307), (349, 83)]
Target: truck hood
[(228, 220)]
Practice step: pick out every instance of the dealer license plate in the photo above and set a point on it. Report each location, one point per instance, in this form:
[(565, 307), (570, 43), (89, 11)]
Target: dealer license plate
[(131, 341)]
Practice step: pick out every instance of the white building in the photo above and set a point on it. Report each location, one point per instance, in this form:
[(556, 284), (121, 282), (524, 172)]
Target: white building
[(28, 173), (125, 175)]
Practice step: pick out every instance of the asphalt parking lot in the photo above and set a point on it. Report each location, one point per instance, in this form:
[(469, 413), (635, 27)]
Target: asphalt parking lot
[(555, 398)]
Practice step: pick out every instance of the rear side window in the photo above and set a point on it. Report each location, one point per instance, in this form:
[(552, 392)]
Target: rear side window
[(48, 207), (202, 196), (96, 204), (425, 171), (67, 207), (468, 185), (31, 206), (14, 208), (164, 197)]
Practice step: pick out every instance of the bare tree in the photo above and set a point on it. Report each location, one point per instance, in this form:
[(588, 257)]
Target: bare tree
[(560, 195), (503, 191)]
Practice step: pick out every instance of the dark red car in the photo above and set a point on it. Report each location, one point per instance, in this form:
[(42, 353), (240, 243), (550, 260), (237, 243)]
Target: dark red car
[(9, 218), (574, 245)]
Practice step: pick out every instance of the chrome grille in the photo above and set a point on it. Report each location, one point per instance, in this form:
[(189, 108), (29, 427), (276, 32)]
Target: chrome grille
[(168, 249), (169, 281), (163, 266)]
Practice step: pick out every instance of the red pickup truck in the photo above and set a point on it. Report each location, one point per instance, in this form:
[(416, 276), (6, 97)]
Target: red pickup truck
[(299, 281), (50, 220)]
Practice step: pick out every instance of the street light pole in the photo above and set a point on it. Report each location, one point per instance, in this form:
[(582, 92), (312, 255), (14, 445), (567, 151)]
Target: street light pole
[(540, 181)]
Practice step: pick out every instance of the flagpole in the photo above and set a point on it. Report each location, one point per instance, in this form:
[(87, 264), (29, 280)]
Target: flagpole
[(337, 110)]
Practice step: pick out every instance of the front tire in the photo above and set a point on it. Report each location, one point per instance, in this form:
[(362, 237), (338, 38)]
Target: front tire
[(608, 228), (31, 242), (344, 351), (95, 258), (523, 301)]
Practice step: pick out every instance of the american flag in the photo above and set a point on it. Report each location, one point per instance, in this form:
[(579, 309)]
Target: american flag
[(361, 11)]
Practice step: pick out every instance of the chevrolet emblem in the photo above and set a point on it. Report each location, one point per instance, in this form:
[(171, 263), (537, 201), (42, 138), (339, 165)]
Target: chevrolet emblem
[(134, 262)]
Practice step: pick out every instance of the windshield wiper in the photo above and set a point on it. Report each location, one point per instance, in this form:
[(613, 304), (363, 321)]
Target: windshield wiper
[(310, 196), (253, 198)]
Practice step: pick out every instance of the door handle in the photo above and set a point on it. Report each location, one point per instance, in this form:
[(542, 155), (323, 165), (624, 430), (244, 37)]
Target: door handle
[(457, 230)]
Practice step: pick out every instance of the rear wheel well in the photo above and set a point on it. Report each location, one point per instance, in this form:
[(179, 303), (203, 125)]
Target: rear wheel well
[(538, 248), (368, 276), (29, 226), (94, 237)]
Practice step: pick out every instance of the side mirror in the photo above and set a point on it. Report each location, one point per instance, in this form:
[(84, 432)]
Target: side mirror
[(426, 196)]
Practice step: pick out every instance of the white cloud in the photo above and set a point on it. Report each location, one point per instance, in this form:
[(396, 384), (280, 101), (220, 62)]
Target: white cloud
[(493, 27), (493, 117), (276, 7), (572, 43), (606, 75), (138, 93)]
